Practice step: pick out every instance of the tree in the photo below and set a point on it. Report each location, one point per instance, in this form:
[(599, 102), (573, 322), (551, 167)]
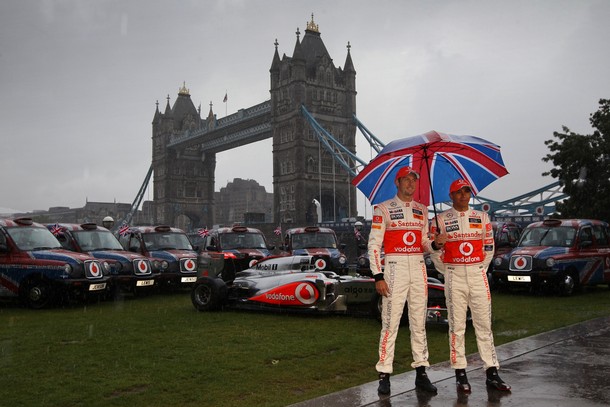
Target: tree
[(582, 166)]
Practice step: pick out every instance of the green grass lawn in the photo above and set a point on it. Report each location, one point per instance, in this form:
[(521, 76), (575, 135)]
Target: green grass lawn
[(159, 351)]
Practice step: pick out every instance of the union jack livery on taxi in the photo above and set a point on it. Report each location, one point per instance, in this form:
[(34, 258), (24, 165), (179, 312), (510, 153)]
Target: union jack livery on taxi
[(131, 272), (557, 254), (168, 245), (37, 270)]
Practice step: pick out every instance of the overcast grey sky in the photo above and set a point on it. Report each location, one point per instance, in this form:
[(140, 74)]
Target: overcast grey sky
[(79, 81)]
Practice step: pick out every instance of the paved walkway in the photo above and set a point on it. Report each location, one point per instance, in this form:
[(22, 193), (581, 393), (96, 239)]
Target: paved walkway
[(567, 367)]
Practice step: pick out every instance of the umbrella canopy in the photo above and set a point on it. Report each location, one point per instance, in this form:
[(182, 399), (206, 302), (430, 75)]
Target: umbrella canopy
[(439, 159)]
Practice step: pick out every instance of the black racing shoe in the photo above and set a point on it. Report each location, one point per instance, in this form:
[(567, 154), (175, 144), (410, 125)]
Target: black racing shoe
[(461, 381), (384, 383), (422, 382), (494, 380)]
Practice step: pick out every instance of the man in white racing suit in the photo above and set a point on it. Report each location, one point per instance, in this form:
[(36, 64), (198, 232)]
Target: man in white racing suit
[(400, 225), (467, 252)]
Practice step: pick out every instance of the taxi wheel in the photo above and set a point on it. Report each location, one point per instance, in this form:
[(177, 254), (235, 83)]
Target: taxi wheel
[(37, 293)]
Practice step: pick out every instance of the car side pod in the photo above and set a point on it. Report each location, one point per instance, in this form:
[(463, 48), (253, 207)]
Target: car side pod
[(209, 294)]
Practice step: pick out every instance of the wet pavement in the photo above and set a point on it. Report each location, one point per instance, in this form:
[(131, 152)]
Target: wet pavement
[(566, 367)]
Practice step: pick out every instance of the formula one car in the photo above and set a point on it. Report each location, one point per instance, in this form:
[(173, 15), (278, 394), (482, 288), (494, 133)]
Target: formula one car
[(295, 284)]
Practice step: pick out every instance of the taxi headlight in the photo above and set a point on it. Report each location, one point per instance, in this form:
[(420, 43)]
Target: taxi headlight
[(363, 261), (550, 262), (118, 266), (498, 261), (107, 267), (342, 259), (67, 268)]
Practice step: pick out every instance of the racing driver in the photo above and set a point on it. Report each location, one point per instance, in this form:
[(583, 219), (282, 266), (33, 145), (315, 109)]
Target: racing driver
[(464, 260), (400, 225)]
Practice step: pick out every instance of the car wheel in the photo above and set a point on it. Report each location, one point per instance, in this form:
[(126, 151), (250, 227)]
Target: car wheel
[(37, 293), (209, 294), (567, 285)]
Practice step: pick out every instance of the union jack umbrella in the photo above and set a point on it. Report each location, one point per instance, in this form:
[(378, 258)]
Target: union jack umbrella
[(439, 159), (124, 229), (56, 229), (203, 232)]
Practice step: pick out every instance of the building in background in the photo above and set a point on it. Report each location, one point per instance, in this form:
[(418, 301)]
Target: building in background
[(243, 201)]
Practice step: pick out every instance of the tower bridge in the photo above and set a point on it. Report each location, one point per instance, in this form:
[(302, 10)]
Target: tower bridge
[(309, 95), (185, 144)]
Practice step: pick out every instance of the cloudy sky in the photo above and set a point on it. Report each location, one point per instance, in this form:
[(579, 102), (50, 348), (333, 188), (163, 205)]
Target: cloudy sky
[(79, 81)]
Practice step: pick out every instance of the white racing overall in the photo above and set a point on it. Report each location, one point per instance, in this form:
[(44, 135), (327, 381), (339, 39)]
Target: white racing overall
[(402, 228), (467, 253)]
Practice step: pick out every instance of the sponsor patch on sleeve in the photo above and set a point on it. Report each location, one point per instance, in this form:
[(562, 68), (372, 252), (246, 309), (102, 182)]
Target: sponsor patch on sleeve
[(377, 219)]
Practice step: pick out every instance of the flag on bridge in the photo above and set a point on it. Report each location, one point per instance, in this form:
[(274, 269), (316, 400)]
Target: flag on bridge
[(226, 98), (203, 232)]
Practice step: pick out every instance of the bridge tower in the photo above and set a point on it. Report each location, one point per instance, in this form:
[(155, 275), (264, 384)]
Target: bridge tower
[(183, 177), (305, 175)]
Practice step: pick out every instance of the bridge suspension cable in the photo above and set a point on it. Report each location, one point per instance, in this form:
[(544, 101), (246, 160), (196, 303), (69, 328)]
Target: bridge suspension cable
[(374, 142), (136, 202), (327, 139)]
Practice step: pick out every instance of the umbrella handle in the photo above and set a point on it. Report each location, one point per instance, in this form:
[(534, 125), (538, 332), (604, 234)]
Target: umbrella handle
[(425, 156)]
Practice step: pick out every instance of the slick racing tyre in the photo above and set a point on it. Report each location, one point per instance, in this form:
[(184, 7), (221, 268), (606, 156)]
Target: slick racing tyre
[(209, 294)]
